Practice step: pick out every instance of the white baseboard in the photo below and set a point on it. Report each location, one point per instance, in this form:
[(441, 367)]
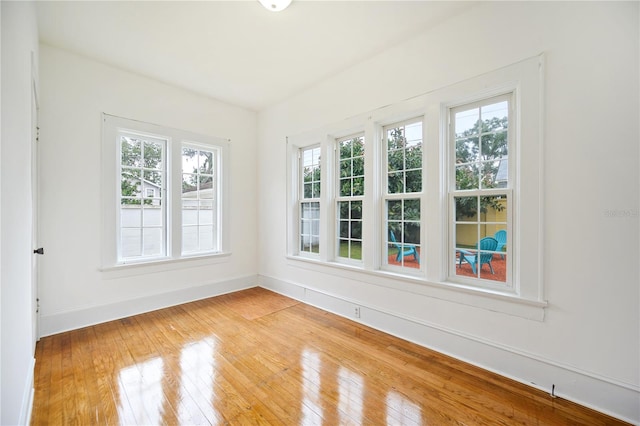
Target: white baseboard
[(27, 396), (620, 400), (72, 320)]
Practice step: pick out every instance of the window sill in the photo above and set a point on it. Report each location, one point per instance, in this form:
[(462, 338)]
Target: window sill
[(163, 264), (492, 300)]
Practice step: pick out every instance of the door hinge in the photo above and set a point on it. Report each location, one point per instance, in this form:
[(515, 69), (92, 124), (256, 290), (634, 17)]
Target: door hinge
[(39, 251), (37, 305)]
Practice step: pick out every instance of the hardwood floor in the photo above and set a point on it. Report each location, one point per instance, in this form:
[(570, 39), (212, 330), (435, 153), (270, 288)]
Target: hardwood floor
[(255, 357)]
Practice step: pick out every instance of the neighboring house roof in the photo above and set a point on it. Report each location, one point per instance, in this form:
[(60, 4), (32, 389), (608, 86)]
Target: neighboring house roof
[(502, 175)]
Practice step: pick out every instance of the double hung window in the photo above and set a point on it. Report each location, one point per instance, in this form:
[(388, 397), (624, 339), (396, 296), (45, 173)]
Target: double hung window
[(480, 191), (437, 199), (142, 199), (401, 194), (165, 195), (309, 206), (350, 195)]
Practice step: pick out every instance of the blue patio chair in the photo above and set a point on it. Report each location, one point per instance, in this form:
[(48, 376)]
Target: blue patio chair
[(486, 247), (409, 249), (501, 236)]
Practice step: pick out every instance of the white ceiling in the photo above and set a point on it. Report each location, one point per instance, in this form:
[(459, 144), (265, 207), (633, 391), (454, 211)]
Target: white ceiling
[(236, 51)]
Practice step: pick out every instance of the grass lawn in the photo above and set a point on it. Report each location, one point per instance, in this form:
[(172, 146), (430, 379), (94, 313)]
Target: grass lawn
[(356, 250)]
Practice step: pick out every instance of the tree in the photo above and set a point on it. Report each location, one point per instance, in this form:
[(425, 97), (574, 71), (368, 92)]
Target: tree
[(140, 161), (479, 151)]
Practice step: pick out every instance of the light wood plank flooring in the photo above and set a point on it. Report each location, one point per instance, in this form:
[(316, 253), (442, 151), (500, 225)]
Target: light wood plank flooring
[(255, 357)]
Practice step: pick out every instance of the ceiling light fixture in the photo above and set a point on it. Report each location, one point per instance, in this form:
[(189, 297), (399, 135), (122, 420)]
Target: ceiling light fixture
[(275, 5)]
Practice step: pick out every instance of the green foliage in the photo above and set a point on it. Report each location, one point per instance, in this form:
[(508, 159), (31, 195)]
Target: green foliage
[(136, 155), (404, 163), (478, 154)]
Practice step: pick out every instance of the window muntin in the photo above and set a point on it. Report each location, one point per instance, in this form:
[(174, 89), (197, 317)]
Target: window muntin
[(309, 208), (402, 206), (480, 193), (200, 201), (142, 218), (350, 179)]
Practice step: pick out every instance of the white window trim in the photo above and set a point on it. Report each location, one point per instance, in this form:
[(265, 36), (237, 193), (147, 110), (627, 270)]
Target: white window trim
[(217, 152), (383, 195), (111, 126), (526, 299), (346, 198), (513, 142)]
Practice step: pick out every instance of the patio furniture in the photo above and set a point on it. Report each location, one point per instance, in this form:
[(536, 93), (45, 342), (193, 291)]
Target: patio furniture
[(501, 236), (409, 249), (484, 254)]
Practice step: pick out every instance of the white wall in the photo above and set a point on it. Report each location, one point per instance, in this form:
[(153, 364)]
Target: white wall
[(588, 343), (73, 290), (19, 40)]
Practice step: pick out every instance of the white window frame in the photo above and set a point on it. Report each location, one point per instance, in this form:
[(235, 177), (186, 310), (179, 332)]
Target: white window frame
[(524, 296), (144, 138), (508, 191), (303, 200), (215, 199), (385, 197), (347, 198), (112, 127)]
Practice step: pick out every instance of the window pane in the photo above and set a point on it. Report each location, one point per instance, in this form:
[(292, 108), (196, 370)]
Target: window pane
[(206, 213), (310, 167), (130, 215), (153, 180), (130, 152), (412, 209), (358, 186), (404, 158), (467, 176), (494, 209), (315, 193), (466, 209), (394, 209), (189, 212), (152, 241), (467, 149), (496, 115), (152, 215), (130, 183), (344, 229), (396, 183), (467, 122), (414, 180), (189, 239), (153, 155), (345, 187), (206, 162), (206, 237), (356, 209), (309, 227), (493, 145), (130, 242), (189, 185), (206, 187), (356, 230), (411, 232)]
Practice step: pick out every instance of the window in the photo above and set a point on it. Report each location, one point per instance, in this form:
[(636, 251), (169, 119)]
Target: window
[(480, 191), (350, 179), (310, 200), (142, 219), (402, 191), (446, 202), (168, 192), (199, 199)]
